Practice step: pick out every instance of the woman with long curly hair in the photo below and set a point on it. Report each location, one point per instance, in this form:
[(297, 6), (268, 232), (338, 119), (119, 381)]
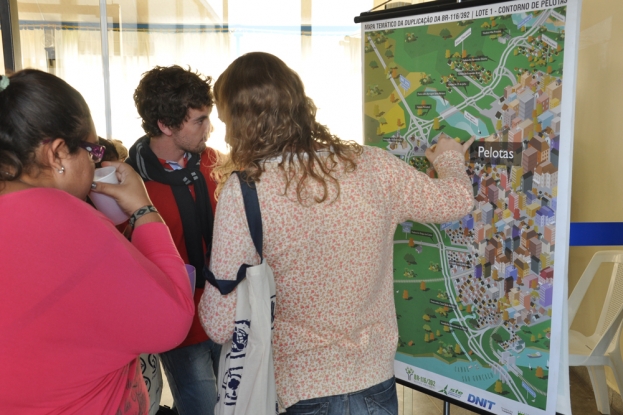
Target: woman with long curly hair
[(329, 210)]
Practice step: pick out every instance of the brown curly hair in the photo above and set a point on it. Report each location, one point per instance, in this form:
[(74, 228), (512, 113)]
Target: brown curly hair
[(166, 93), (268, 115)]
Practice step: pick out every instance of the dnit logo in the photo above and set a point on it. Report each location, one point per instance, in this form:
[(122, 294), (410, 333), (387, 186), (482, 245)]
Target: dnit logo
[(480, 401)]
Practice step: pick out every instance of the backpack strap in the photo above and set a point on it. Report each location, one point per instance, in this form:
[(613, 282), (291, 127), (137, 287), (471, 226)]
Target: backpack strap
[(254, 220)]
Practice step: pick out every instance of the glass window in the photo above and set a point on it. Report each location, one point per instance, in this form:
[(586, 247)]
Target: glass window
[(314, 37), (63, 38), (186, 33)]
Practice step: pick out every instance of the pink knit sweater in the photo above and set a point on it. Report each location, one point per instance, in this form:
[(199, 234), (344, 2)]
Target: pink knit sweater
[(80, 303)]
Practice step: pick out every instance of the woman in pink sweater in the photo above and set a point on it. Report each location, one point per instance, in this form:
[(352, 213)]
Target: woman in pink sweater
[(71, 322), (329, 210)]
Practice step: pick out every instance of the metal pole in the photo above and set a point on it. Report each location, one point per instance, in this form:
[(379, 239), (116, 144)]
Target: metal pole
[(106, 66), (446, 404), (11, 45)]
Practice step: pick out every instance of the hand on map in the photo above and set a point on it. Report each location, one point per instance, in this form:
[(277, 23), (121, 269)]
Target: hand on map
[(447, 144)]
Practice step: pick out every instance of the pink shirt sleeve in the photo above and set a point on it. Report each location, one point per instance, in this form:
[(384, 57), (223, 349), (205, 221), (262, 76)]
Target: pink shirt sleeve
[(84, 302), (170, 286), (138, 293), (415, 196)]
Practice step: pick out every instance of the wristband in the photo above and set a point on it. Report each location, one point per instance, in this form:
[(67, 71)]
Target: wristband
[(138, 213)]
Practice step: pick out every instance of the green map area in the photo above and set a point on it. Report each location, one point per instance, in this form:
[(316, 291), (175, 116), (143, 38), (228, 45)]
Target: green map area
[(474, 297)]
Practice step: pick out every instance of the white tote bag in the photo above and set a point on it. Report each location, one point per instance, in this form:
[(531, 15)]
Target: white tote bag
[(246, 378), (150, 367)]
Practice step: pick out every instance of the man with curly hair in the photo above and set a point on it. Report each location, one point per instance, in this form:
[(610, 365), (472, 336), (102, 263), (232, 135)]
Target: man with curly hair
[(175, 163)]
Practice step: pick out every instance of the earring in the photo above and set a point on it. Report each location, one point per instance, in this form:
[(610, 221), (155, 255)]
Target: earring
[(62, 170)]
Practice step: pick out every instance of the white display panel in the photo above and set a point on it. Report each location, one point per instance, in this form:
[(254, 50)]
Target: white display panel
[(481, 301)]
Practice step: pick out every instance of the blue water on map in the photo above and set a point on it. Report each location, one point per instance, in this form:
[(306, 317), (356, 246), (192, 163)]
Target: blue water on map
[(524, 360), (476, 375), (519, 17), (472, 372), (457, 120)]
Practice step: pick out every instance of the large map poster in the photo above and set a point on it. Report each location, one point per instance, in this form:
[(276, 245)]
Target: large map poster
[(474, 298)]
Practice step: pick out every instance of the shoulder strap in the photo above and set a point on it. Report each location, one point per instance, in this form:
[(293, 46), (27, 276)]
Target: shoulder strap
[(252, 209), (254, 219)]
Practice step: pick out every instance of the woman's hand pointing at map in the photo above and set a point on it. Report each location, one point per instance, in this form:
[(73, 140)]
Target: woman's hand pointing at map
[(447, 144)]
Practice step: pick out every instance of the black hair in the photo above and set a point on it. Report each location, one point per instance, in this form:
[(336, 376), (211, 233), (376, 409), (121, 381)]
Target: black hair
[(36, 106), (110, 152), (166, 93)]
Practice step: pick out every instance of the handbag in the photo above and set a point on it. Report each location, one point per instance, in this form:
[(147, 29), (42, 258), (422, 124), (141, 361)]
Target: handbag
[(150, 367), (246, 374)]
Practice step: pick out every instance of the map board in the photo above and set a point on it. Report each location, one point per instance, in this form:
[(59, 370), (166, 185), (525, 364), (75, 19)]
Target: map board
[(481, 301)]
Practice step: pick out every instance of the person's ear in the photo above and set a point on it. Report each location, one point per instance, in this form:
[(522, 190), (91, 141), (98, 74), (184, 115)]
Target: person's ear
[(53, 154), (166, 130)]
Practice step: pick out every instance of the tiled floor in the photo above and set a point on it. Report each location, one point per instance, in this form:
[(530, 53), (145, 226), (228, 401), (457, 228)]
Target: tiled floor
[(411, 402)]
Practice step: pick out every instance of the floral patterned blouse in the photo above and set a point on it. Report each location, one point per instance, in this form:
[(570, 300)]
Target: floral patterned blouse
[(335, 327)]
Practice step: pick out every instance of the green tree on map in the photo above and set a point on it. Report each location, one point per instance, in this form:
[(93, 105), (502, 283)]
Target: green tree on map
[(539, 372), (436, 123), (488, 75)]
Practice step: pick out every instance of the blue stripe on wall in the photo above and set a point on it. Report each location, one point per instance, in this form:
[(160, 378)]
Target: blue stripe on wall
[(596, 234)]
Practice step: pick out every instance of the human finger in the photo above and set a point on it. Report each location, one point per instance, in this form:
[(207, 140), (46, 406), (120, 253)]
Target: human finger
[(468, 143)]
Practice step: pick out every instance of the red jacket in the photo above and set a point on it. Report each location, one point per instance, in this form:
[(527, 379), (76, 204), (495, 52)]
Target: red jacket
[(162, 197)]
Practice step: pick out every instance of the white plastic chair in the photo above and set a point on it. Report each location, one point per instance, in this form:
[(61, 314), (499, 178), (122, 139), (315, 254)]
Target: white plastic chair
[(603, 347)]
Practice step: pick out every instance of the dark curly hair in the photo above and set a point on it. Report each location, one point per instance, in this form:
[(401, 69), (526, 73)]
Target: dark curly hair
[(268, 115), (166, 93), (110, 152), (37, 106)]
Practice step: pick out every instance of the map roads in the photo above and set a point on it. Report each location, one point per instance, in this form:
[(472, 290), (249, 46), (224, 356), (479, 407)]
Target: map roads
[(474, 297)]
